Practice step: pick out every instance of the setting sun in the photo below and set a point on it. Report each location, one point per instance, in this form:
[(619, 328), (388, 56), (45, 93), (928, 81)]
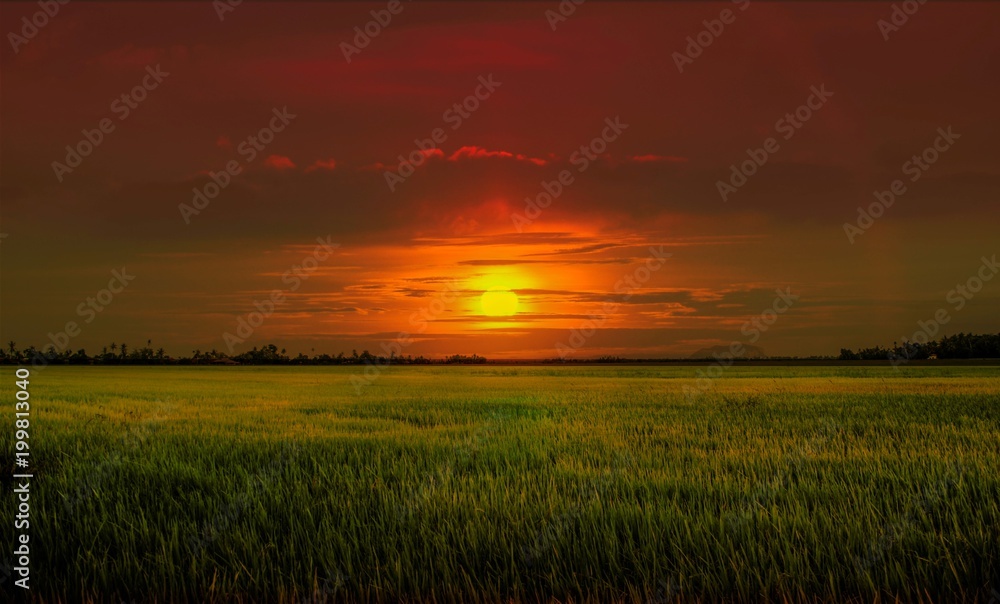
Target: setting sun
[(499, 303)]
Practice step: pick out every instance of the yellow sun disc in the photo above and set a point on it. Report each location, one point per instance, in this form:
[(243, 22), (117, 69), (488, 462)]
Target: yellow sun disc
[(499, 303)]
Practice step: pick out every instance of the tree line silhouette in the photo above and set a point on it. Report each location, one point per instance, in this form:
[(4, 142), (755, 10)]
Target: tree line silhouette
[(121, 354), (959, 346)]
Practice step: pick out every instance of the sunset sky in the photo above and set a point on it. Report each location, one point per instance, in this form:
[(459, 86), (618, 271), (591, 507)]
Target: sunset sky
[(431, 245)]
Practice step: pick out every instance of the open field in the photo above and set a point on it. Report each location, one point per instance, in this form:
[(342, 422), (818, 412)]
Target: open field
[(506, 484)]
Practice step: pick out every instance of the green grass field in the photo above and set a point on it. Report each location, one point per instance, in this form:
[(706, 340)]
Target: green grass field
[(524, 484)]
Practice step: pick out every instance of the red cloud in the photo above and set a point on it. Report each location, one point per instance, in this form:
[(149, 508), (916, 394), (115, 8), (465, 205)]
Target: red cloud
[(649, 157), (223, 142), (278, 162), (321, 164), (473, 152)]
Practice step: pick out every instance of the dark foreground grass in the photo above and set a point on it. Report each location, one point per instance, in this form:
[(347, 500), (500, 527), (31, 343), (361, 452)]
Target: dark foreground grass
[(498, 484)]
